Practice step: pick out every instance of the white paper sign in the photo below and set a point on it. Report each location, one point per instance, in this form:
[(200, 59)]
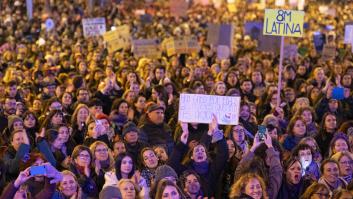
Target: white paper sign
[(29, 6), (348, 34), (200, 108), (93, 26)]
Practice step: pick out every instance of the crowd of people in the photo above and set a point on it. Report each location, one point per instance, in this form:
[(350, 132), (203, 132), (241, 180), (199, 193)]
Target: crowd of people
[(105, 124)]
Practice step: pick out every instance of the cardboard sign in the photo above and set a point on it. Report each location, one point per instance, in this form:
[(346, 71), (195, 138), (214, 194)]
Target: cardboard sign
[(146, 48), (118, 38), (348, 34), (290, 51), (186, 45), (178, 8), (269, 43), (93, 27), (287, 23), (328, 53), (213, 34), (253, 29), (200, 108)]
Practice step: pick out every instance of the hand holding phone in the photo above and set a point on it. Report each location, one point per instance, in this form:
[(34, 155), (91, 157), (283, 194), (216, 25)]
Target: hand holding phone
[(262, 132)]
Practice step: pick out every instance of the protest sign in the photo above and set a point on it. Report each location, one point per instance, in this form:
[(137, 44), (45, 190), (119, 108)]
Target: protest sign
[(290, 51), (146, 48), (269, 43), (178, 8), (220, 34), (223, 52), (348, 34), (93, 26), (118, 38), (200, 108), (253, 29), (186, 45), (213, 34), (319, 41), (328, 53), (29, 6), (283, 23)]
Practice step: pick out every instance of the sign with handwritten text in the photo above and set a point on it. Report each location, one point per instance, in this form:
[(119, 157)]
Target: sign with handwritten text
[(199, 108), (93, 27), (283, 23)]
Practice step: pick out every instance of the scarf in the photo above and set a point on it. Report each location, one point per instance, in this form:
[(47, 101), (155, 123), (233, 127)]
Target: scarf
[(105, 164), (200, 167)]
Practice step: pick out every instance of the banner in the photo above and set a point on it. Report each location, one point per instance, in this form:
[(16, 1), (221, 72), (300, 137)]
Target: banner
[(200, 108), (220, 34), (319, 41), (117, 39), (93, 27), (348, 34), (178, 8), (287, 23), (186, 45), (146, 48), (29, 6), (253, 29), (269, 43)]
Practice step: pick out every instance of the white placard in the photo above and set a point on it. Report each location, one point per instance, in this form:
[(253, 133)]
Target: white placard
[(200, 108), (29, 6), (348, 34), (93, 26)]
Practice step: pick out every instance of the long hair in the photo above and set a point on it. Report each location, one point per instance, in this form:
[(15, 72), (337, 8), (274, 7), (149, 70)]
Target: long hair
[(163, 184), (238, 188), (118, 162), (314, 188), (74, 115), (93, 147)]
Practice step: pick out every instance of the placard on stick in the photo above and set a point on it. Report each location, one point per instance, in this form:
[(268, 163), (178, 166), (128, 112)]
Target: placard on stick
[(146, 48), (199, 108), (118, 39), (93, 27)]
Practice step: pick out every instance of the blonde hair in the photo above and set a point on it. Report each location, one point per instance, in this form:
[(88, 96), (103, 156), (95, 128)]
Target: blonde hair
[(74, 115), (239, 186), (93, 147), (122, 181)]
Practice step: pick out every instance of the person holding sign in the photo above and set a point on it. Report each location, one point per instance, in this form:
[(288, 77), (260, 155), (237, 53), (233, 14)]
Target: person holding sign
[(199, 161)]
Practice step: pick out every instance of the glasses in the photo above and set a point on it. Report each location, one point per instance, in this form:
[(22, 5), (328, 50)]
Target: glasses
[(325, 195), (101, 150), (82, 156), (346, 162)]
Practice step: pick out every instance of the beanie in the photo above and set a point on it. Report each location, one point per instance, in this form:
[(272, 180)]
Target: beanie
[(164, 171), (130, 127)]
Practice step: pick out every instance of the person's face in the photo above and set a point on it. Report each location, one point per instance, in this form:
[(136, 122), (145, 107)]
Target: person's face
[(273, 133), (301, 70), (305, 157), (321, 194), (64, 134), (330, 122), (294, 173), (253, 189), (131, 137), (66, 99), (245, 112), (123, 108), (231, 148), (238, 134), (17, 140), (127, 190), (225, 65), (154, 95), (246, 87), (299, 128), (131, 77), (192, 185), (200, 90), (340, 146), (345, 165), (83, 159), (57, 119), (319, 75), (126, 165), (307, 116), (161, 153), (101, 152), (130, 97), (333, 105), (119, 148), (12, 90), (256, 77), (160, 73), (82, 115), (221, 89), (135, 88), (83, 96), (37, 104), (96, 110), (29, 121), (170, 192), (68, 186), (157, 116), (55, 106), (10, 106), (141, 103), (290, 95), (18, 125), (150, 159), (232, 79), (331, 172), (199, 154)]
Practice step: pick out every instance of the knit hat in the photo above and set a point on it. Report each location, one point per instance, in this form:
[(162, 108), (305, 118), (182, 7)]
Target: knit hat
[(109, 192), (153, 106), (130, 127), (164, 171), (12, 119)]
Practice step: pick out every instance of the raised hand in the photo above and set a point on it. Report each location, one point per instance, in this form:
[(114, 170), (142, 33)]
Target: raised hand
[(185, 135), (256, 143), (268, 140), (22, 178), (213, 126)]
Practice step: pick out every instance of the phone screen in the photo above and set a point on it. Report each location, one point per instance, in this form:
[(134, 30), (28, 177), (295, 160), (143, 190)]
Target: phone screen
[(37, 170), (262, 132)]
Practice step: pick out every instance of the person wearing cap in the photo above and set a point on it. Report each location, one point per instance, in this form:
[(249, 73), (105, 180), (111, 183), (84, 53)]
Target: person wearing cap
[(14, 123), (130, 135), (154, 130)]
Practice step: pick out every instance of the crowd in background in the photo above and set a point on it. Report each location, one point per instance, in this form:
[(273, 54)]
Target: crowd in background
[(105, 124)]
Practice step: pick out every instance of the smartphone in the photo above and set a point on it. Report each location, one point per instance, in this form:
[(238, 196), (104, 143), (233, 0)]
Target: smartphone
[(261, 132), (37, 170)]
